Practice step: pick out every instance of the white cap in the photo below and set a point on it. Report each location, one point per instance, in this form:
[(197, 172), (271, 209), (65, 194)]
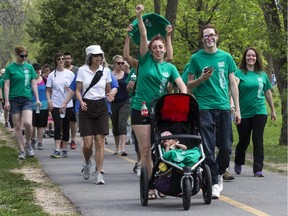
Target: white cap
[(94, 49)]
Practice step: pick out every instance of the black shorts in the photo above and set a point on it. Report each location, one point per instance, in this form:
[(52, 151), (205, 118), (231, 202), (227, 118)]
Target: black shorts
[(137, 119), (41, 119), (73, 114)]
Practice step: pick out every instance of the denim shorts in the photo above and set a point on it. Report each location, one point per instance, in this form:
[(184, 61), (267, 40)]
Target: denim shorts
[(19, 104)]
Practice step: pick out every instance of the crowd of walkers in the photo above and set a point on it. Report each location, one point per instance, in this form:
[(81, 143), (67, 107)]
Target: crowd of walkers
[(84, 98)]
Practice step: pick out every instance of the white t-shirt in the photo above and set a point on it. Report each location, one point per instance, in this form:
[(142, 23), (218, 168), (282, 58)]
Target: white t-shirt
[(59, 81), (96, 92)]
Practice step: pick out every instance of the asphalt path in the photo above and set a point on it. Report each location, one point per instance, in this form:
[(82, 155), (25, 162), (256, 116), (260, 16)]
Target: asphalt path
[(246, 195)]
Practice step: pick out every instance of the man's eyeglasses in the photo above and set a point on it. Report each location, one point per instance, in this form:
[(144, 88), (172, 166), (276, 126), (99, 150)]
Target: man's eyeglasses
[(120, 63), (212, 35), (23, 56), (60, 59), (97, 55)]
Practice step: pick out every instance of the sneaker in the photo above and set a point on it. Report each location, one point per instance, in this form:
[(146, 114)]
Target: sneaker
[(56, 154), (86, 171), (6, 124), (227, 176), (123, 153), (30, 150), (116, 152), (138, 171), (73, 145), (258, 174), (99, 178), (237, 169), (40, 146), (64, 153), (33, 143), (135, 167), (215, 191), (220, 183), (22, 155)]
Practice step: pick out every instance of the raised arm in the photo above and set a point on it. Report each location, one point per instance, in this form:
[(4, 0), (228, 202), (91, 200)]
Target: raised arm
[(126, 51), (142, 30), (169, 48)]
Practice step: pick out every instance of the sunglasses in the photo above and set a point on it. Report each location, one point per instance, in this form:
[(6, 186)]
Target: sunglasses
[(120, 63), (60, 59), (97, 55), (23, 56)]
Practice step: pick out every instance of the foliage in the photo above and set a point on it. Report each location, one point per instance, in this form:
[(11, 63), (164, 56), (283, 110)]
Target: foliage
[(62, 28)]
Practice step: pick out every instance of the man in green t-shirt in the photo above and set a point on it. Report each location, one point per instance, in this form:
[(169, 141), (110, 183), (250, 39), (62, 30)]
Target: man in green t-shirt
[(211, 71)]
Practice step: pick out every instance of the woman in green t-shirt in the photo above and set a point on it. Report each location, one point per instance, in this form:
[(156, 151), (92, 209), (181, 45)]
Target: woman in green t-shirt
[(153, 76), (19, 84), (254, 87)]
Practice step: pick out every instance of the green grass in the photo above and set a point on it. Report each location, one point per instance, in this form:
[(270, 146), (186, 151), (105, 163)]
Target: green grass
[(16, 194), (273, 152)]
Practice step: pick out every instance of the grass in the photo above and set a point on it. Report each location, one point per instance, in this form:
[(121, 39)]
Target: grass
[(16, 194)]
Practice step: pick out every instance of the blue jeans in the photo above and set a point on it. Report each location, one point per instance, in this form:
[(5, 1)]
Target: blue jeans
[(216, 131)]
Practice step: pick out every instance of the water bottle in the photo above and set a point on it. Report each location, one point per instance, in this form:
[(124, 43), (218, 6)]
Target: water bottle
[(62, 114), (37, 108), (133, 77), (66, 87), (144, 113)]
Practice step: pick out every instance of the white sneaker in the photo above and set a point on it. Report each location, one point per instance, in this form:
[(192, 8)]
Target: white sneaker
[(30, 150), (86, 171), (99, 178), (215, 191), (138, 171), (220, 183)]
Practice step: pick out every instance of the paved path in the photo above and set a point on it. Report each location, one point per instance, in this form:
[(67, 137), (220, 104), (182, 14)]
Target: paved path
[(247, 195)]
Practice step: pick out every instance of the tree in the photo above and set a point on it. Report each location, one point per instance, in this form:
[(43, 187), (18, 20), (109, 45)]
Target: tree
[(64, 28), (277, 32)]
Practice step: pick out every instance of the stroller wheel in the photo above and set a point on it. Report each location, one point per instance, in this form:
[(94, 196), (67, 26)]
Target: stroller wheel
[(144, 186), (207, 184), (186, 189)]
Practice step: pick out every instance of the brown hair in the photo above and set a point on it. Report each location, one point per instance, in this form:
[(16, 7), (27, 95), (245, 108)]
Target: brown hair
[(20, 49), (206, 27), (158, 37), (258, 64)]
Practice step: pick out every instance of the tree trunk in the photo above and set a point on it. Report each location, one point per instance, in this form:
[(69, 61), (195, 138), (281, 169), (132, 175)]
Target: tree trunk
[(157, 6), (171, 11), (278, 38)]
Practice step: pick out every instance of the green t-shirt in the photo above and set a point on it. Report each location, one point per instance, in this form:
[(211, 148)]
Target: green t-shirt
[(2, 86), (131, 94), (252, 87), (213, 93), (152, 80), (20, 77)]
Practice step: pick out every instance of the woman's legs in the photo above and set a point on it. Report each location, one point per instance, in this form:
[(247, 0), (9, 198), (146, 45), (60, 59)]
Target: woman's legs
[(99, 152), (87, 148), (16, 118), (143, 133)]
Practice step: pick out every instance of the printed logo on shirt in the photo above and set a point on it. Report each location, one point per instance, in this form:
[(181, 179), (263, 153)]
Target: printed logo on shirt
[(27, 76), (165, 74)]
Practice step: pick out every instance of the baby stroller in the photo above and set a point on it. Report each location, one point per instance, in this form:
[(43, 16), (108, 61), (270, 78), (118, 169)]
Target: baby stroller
[(178, 114)]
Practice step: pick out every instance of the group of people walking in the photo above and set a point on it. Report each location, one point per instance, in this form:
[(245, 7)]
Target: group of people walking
[(211, 76)]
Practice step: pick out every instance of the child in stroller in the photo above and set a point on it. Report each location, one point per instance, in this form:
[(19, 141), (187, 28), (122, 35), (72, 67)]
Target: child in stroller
[(177, 172)]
